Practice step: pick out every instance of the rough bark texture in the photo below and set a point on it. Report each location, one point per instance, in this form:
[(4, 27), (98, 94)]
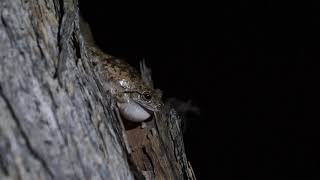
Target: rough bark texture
[(56, 122)]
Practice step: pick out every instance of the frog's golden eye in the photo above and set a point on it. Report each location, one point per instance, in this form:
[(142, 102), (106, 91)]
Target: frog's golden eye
[(147, 97)]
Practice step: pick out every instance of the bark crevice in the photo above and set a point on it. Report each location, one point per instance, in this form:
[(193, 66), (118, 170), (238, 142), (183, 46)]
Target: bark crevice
[(31, 149)]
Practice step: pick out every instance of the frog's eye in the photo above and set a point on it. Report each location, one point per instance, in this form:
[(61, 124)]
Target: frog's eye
[(147, 97)]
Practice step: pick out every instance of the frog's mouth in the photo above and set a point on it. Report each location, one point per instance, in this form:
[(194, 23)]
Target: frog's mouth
[(147, 108), (150, 109), (144, 105)]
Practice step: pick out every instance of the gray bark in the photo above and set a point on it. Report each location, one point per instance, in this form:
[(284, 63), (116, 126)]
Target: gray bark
[(56, 122)]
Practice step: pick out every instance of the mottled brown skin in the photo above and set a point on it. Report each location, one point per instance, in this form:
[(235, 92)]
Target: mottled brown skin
[(126, 83), (136, 101)]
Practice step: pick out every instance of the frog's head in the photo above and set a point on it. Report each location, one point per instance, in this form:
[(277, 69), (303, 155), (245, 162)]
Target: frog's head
[(149, 99), (140, 106)]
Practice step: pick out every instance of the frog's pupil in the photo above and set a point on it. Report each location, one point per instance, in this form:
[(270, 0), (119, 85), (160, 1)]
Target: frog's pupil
[(147, 96)]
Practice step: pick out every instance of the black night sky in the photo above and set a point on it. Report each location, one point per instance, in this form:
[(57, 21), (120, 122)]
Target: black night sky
[(251, 67)]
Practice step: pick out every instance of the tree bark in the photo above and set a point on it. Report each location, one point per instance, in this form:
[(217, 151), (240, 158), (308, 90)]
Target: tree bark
[(56, 121)]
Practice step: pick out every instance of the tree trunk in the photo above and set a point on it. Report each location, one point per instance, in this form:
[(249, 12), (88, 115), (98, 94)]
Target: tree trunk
[(56, 122)]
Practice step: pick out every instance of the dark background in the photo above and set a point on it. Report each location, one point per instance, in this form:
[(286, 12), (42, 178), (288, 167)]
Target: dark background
[(250, 66)]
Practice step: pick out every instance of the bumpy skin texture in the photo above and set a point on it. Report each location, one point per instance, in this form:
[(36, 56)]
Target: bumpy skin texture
[(136, 100)]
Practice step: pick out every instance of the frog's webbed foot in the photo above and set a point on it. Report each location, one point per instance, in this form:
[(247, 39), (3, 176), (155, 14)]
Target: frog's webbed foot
[(143, 125)]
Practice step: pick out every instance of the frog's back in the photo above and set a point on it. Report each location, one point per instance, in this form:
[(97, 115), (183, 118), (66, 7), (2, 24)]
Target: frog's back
[(123, 74), (119, 72), (119, 69), (116, 70)]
